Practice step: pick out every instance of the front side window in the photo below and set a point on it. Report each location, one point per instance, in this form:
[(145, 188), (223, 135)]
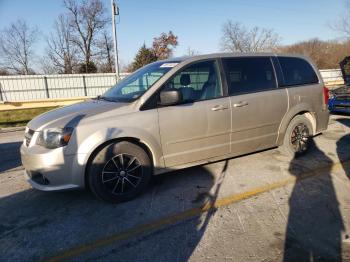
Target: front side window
[(134, 86), (249, 74), (200, 81), (297, 71)]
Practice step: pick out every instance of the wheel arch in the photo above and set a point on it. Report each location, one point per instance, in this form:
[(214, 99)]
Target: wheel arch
[(306, 111), (133, 140)]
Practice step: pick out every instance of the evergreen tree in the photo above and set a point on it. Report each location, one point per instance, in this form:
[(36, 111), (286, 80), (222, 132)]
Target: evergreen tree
[(89, 68), (143, 57)]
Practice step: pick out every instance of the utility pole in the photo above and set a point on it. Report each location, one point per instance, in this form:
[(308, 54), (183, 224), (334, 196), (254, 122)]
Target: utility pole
[(115, 12)]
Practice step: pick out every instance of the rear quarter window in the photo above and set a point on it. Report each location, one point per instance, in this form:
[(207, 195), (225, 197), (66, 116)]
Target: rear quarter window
[(297, 71)]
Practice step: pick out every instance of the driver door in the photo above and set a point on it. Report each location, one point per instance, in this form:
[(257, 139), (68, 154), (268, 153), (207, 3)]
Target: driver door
[(199, 127)]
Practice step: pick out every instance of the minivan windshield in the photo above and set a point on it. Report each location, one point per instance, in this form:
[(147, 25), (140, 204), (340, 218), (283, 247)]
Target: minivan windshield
[(135, 85)]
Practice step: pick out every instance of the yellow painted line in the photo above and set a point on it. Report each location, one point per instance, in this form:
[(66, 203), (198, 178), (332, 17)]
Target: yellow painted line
[(191, 213)]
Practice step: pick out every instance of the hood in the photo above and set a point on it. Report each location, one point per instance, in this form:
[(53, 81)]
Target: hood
[(71, 115)]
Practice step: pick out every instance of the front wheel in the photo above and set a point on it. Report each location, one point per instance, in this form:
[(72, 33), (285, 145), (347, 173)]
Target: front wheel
[(297, 137), (119, 172)]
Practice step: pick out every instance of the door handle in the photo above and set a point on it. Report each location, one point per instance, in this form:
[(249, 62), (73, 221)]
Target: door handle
[(219, 107), (240, 104)]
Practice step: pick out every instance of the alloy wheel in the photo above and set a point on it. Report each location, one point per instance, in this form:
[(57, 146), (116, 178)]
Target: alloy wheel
[(299, 138), (122, 174)]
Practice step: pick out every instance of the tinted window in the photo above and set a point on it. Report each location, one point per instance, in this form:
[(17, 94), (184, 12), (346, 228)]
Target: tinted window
[(297, 71), (199, 81), (249, 74)]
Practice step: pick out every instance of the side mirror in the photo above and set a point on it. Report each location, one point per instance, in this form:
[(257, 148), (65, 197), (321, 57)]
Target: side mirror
[(170, 97)]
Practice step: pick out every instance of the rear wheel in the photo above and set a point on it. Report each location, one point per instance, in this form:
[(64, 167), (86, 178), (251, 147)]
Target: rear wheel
[(297, 137), (119, 172)]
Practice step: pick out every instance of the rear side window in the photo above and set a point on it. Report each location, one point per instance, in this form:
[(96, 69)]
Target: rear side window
[(249, 74), (297, 71)]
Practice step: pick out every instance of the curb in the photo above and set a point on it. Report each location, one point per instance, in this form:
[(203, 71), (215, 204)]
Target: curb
[(12, 129)]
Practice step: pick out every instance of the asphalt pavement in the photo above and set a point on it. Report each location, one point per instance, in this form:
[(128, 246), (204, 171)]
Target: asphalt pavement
[(260, 207)]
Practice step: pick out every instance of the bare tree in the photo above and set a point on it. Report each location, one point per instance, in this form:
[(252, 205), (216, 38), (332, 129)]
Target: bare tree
[(191, 52), (3, 72), (16, 47), (61, 51), (47, 67), (105, 47), (342, 25), (326, 54), (238, 38), (87, 19)]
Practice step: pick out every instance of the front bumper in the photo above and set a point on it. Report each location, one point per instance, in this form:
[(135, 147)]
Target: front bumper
[(47, 187), (51, 169)]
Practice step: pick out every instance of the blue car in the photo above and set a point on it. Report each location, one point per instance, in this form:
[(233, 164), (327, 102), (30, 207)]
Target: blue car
[(339, 100)]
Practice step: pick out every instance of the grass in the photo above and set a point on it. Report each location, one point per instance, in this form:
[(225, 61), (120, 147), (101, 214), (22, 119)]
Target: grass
[(20, 117)]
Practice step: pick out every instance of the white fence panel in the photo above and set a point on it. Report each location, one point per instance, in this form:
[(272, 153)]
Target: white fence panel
[(37, 87), (332, 76), (98, 84), (15, 88)]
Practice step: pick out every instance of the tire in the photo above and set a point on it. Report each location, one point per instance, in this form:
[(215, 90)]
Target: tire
[(297, 137), (119, 172)]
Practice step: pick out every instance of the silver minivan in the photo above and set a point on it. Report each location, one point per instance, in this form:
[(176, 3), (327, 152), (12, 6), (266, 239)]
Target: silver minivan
[(174, 114)]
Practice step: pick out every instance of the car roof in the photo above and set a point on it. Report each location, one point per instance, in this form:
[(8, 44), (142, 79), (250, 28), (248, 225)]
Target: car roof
[(225, 55)]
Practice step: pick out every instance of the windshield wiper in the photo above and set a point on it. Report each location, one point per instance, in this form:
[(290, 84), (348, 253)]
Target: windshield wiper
[(115, 99), (105, 98)]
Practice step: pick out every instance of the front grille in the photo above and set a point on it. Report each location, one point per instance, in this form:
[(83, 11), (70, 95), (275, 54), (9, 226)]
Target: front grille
[(38, 178), (342, 106), (28, 136), (342, 98)]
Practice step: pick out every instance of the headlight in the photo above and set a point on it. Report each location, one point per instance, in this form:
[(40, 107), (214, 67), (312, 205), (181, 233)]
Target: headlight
[(54, 137)]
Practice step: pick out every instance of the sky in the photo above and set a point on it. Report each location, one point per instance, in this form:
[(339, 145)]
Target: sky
[(197, 23)]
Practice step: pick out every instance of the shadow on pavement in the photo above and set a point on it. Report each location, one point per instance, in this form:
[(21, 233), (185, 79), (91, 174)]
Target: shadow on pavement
[(180, 240), (315, 225), (10, 157), (343, 145), (36, 225)]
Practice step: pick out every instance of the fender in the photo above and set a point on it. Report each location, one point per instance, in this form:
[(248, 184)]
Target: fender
[(92, 142), (94, 132), (298, 109)]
